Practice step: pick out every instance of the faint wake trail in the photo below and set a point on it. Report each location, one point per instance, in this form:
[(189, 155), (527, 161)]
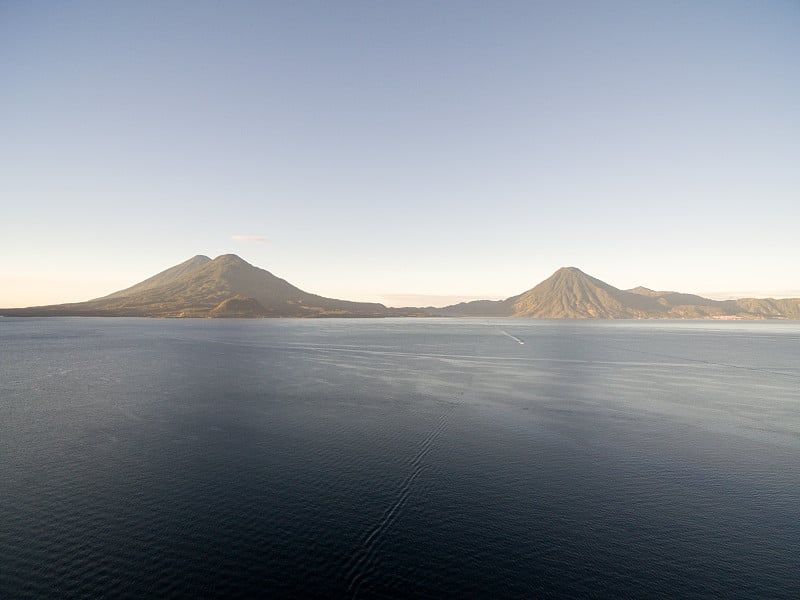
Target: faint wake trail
[(516, 339), (362, 560), (704, 362)]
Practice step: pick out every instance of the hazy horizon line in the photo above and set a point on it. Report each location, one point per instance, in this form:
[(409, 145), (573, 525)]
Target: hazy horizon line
[(424, 300)]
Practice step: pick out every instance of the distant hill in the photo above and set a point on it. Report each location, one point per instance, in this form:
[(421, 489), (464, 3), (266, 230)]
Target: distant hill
[(569, 293), (224, 287), (240, 307), (230, 287)]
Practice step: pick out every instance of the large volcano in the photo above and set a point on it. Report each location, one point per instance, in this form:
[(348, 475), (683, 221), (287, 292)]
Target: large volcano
[(201, 287), (569, 293)]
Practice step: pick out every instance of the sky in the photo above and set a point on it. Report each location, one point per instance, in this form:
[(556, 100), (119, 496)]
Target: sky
[(401, 152)]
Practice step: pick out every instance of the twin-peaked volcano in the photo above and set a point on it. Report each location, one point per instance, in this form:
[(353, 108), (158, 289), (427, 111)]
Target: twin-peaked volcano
[(225, 286)]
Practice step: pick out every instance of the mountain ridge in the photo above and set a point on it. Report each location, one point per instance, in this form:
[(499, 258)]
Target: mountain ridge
[(229, 286), (569, 293), (164, 277), (200, 287)]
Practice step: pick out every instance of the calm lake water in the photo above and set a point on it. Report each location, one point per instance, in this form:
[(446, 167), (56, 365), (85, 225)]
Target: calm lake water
[(384, 458)]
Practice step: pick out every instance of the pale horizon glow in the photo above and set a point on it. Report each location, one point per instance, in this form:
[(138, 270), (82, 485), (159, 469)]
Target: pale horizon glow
[(392, 151), (24, 291)]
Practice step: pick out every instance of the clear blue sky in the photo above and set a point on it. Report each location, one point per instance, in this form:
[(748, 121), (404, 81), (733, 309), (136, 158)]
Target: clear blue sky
[(451, 149)]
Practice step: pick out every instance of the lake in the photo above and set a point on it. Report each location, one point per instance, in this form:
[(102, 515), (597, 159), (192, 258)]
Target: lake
[(429, 458)]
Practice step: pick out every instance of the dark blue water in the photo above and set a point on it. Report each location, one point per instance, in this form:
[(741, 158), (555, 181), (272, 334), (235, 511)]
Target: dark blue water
[(385, 458)]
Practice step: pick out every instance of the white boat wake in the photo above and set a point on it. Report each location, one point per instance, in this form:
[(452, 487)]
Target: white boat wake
[(516, 339)]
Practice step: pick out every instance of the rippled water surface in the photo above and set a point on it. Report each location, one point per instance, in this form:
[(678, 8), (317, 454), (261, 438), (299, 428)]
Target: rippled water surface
[(385, 458)]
